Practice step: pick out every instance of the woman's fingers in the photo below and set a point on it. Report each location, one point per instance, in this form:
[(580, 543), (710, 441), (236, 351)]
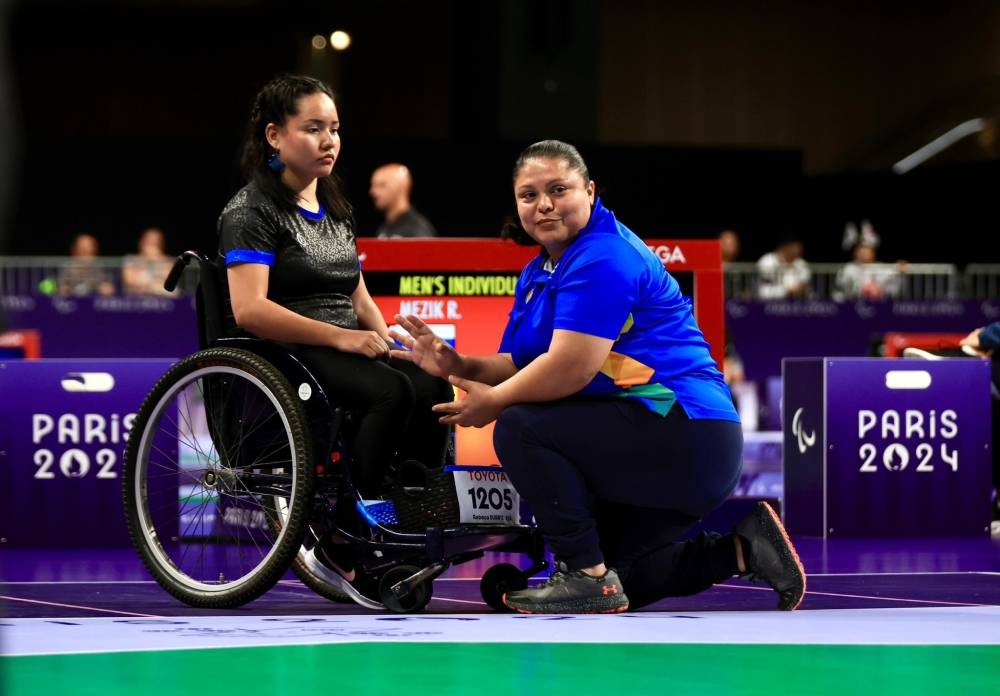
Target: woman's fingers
[(410, 323), (413, 330), (401, 354), (377, 347), (400, 338), (413, 324)]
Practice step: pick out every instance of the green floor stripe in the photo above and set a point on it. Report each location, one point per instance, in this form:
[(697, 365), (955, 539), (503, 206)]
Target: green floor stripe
[(512, 669)]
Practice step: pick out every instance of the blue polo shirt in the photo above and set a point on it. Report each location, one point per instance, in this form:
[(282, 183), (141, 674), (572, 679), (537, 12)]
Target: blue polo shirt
[(608, 283)]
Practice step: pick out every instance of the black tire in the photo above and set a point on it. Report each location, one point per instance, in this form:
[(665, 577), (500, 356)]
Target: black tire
[(218, 445), (498, 581), (415, 600)]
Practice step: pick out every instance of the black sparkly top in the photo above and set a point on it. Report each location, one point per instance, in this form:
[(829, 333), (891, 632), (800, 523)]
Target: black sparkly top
[(313, 258)]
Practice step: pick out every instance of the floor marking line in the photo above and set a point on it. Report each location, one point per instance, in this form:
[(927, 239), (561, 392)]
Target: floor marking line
[(474, 579), (903, 574), (77, 606), (108, 635), (291, 585), (77, 582), (857, 596), (935, 602)]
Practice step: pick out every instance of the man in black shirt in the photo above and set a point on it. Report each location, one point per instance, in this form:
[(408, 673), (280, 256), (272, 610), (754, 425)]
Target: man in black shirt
[(390, 190)]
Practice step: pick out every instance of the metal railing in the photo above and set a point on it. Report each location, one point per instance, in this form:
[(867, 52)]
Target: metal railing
[(915, 281), (27, 275), (982, 281), (67, 275)]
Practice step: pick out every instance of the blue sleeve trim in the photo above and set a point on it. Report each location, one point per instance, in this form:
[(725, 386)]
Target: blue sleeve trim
[(249, 256)]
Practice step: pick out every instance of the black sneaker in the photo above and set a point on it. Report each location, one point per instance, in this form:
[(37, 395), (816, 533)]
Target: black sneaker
[(341, 560), (768, 555), (571, 592)]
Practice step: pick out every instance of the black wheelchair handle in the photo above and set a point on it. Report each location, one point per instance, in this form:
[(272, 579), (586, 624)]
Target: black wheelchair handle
[(179, 265)]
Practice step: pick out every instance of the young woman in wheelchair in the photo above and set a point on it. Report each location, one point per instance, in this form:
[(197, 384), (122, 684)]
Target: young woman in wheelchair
[(287, 241)]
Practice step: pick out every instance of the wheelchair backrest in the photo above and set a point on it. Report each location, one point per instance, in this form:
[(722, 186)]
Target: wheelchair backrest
[(216, 327), (210, 296)]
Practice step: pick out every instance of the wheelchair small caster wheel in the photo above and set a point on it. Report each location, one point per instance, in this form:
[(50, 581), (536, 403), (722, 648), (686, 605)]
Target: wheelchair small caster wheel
[(499, 580), (418, 597)]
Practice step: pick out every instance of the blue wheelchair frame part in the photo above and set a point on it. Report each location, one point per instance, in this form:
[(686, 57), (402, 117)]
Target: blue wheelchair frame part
[(377, 512)]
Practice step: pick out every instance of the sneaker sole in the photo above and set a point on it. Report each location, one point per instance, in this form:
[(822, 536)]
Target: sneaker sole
[(336, 580), (911, 352), (788, 554), (558, 608)]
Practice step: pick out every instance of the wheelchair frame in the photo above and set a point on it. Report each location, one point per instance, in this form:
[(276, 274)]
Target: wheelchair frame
[(289, 497)]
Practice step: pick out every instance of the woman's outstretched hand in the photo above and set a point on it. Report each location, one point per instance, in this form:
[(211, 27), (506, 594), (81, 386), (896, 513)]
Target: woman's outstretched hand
[(478, 408), (424, 348)]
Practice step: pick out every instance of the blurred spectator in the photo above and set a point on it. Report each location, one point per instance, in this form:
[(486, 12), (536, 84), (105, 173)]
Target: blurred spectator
[(855, 234), (390, 191), (744, 392), (736, 285), (865, 277), (84, 275), (732, 366), (729, 242), (729, 245), (143, 273), (784, 273)]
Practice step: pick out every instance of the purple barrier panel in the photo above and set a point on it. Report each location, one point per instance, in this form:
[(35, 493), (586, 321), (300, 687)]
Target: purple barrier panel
[(766, 332), (803, 436), (905, 446), (107, 327), (63, 429)]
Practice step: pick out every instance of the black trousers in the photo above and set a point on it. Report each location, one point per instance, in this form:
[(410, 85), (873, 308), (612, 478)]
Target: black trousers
[(610, 481), (393, 400)]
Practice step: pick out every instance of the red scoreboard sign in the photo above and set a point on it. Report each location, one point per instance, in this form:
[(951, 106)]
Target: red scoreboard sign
[(464, 288)]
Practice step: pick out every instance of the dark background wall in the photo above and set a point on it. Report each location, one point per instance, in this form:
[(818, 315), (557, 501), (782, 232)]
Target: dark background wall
[(768, 117)]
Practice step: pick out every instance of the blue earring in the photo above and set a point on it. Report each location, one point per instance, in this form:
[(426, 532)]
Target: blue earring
[(275, 163)]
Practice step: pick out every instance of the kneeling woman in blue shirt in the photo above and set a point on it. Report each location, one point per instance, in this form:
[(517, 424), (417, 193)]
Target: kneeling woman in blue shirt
[(612, 418)]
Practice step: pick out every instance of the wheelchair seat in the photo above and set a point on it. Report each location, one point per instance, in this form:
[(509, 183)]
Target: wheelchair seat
[(238, 464)]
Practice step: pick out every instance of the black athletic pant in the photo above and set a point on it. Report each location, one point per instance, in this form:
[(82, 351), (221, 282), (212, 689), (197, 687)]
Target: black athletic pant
[(610, 481), (393, 401)]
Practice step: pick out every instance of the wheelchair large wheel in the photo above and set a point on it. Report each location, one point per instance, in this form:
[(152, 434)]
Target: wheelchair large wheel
[(217, 449)]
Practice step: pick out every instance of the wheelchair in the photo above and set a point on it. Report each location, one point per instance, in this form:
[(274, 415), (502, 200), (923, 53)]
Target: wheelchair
[(237, 465)]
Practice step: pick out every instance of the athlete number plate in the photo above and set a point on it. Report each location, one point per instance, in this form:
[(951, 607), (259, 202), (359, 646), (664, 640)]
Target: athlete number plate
[(486, 496)]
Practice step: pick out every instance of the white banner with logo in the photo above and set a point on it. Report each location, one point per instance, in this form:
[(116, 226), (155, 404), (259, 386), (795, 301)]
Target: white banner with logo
[(486, 496)]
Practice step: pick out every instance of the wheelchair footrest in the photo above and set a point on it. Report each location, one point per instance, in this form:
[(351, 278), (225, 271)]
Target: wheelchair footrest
[(378, 512)]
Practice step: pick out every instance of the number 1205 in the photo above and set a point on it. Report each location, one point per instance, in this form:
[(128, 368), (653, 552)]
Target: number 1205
[(491, 499)]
